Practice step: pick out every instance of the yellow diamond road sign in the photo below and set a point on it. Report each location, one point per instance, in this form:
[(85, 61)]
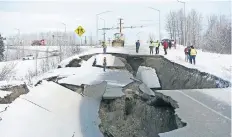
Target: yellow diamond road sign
[(80, 31)]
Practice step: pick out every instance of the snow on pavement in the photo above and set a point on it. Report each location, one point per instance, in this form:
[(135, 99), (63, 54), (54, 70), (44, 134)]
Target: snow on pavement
[(55, 111)]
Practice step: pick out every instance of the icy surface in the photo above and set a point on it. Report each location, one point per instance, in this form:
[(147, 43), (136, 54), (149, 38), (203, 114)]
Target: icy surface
[(93, 75), (207, 119), (54, 112), (148, 76), (113, 92)]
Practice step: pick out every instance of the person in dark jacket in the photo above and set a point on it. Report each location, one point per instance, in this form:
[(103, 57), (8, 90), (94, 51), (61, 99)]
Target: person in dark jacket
[(189, 59), (94, 62), (104, 64), (137, 46), (186, 52), (169, 44)]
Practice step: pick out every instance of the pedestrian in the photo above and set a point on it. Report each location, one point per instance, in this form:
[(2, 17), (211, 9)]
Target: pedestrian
[(189, 49), (104, 47), (104, 64), (157, 44), (137, 46), (169, 44), (186, 52), (94, 62), (165, 47), (193, 54), (151, 47), (175, 44)]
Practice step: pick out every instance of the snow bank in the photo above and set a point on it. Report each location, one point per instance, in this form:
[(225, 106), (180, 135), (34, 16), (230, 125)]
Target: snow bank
[(4, 84)]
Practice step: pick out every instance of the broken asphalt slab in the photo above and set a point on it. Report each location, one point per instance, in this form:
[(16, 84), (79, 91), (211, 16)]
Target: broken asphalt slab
[(55, 111), (148, 76), (202, 120)]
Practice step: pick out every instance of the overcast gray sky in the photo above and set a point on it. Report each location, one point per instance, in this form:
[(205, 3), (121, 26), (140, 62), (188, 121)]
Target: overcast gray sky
[(38, 16)]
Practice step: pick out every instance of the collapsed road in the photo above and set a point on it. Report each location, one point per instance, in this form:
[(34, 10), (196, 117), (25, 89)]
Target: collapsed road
[(136, 96)]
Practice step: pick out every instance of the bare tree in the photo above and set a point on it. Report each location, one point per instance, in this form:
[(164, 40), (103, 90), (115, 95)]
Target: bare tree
[(169, 25), (218, 35), (151, 37), (175, 25), (194, 28), (7, 71)]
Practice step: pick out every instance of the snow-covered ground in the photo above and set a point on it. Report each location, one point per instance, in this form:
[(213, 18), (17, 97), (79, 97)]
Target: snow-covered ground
[(22, 70), (4, 93)]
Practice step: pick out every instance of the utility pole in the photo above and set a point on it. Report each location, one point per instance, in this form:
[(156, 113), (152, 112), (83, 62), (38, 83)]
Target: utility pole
[(97, 23), (120, 25), (58, 44), (91, 39), (85, 41), (104, 32)]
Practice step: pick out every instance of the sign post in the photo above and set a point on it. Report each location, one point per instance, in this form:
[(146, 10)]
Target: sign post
[(80, 31)]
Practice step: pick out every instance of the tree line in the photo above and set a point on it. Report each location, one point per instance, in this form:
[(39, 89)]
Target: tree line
[(215, 36)]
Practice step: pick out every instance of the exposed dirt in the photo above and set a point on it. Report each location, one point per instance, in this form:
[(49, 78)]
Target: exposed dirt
[(137, 115), (16, 92), (174, 76), (171, 75), (74, 63)]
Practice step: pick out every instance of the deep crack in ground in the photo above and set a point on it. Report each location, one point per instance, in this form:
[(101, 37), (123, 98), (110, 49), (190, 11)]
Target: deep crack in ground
[(137, 114)]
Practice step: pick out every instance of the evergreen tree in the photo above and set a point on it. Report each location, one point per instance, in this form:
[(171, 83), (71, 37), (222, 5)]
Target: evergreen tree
[(2, 49)]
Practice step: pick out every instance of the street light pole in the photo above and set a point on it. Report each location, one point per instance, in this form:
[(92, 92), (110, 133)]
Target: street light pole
[(159, 22), (184, 22), (97, 23), (104, 39)]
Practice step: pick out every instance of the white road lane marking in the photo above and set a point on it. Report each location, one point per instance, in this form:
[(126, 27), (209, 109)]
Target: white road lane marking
[(204, 105)]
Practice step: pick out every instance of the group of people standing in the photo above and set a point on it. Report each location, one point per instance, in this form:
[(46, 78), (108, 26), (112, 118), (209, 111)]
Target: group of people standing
[(156, 45), (190, 51), (190, 54), (152, 45)]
